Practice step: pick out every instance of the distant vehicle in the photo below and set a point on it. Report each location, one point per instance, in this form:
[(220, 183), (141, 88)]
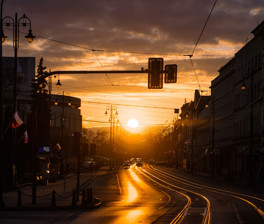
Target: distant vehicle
[(126, 165), (89, 165), (132, 161), (139, 163), (139, 159)]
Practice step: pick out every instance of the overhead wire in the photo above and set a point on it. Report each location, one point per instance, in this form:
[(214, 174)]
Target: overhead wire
[(207, 20), (93, 50), (112, 51), (196, 44)]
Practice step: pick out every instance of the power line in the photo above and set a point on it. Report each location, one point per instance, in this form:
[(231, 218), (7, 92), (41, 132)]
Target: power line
[(196, 44), (93, 50), (107, 122), (127, 105), (195, 73), (203, 28), (117, 51)]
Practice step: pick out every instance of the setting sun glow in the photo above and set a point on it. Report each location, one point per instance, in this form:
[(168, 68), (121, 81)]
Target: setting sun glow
[(132, 123)]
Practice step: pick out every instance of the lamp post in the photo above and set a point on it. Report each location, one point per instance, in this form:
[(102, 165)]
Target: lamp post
[(2, 204), (15, 23), (112, 117)]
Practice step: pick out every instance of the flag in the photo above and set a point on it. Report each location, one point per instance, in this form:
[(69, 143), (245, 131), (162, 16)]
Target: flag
[(22, 134), (58, 147), (25, 137), (16, 120)]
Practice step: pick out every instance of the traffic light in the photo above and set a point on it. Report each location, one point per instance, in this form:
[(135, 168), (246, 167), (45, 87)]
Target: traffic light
[(155, 73), (171, 73)]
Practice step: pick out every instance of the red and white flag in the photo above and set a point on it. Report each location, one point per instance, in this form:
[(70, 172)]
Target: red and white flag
[(16, 120), (25, 137)]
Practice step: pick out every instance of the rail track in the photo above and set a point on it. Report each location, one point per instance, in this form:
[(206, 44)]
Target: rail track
[(197, 208), (168, 177)]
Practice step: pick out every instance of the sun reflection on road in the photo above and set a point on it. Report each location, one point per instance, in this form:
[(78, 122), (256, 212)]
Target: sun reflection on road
[(131, 193), (134, 176), (134, 214)]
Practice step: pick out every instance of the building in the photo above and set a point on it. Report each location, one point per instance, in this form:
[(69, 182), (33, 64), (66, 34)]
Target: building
[(65, 120), (248, 108), (15, 151), (222, 91), (202, 132), (50, 130)]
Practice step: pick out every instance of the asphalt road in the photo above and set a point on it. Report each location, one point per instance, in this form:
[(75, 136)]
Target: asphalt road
[(155, 195)]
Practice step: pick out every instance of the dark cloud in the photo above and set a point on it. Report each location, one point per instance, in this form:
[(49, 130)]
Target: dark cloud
[(142, 25), (145, 28)]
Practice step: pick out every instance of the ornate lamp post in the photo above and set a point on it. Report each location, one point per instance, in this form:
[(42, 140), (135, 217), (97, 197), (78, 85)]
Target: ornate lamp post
[(16, 23), (112, 118)]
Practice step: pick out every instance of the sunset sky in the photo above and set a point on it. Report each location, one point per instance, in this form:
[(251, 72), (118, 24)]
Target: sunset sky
[(125, 33)]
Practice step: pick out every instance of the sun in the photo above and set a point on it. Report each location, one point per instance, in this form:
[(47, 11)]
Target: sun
[(132, 123)]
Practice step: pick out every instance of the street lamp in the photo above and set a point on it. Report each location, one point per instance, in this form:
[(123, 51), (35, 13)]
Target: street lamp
[(2, 204), (16, 24), (112, 118)]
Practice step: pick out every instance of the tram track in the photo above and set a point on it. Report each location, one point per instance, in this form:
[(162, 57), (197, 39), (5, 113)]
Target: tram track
[(249, 199), (196, 210)]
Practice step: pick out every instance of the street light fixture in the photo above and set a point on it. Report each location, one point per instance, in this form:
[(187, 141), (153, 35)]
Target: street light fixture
[(243, 87), (16, 23), (58, 84)]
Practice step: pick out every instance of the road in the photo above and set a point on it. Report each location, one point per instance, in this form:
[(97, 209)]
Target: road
[(151, 194)]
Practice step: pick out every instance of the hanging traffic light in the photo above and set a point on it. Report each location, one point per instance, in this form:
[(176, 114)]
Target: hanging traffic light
[(155, 73), (171, 73)]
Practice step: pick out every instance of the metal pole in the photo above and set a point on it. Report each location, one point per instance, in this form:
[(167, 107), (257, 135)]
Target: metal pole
[(2, 204), (111, 137), (213, 129), (34, 148), (15, 65), (251, 173)]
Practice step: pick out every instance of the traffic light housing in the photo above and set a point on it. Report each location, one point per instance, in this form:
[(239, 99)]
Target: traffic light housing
[(155, 73), (171, 73)]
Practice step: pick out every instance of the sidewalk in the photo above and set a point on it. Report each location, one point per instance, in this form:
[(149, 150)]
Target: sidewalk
[(62, 198)]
